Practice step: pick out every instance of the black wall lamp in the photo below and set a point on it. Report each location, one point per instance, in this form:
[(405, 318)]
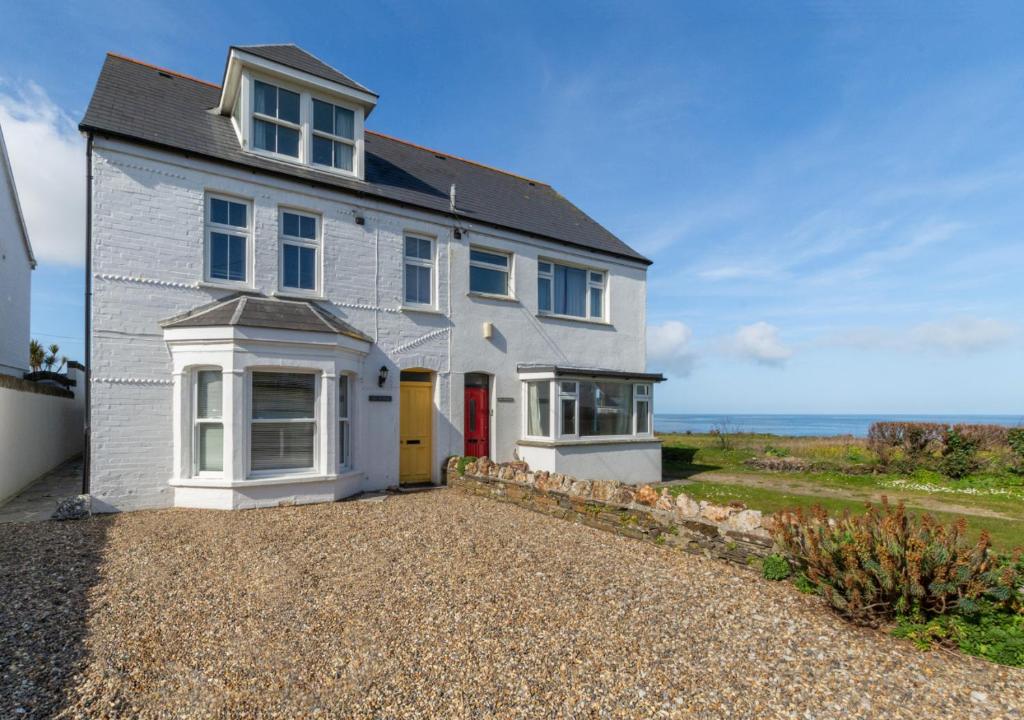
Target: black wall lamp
[(382, 376)]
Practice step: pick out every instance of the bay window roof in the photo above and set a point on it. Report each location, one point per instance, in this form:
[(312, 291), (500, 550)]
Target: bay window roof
[(587, 372)]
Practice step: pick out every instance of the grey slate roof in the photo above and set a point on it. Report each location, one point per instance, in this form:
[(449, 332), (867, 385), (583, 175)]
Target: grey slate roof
[(145, 104), (295, 57), (568, 371), (245, 310)]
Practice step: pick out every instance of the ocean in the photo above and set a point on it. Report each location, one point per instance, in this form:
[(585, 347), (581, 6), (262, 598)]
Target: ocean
[(810, 425)]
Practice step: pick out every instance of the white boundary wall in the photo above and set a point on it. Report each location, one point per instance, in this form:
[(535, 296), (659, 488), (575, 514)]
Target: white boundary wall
[(38, 432)]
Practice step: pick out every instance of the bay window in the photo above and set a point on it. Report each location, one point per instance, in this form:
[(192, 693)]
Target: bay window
[(588, 408), (570, 291), (275, 119), (283, 421), (208, 422), (344, 437), (300, 249), (228, 230)]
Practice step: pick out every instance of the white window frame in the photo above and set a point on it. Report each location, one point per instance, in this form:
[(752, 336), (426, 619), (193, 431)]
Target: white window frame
[(299, 127), (316, 245), (591, 285), (357, 131), (647, 397), (197, 421), (552, 415), (565, 392), (345, 424), (430, 264), (317, 386), (210, 227), (509, 257)]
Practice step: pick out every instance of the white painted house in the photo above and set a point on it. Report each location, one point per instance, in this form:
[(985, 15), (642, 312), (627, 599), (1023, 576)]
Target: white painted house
[(16, 265), (288, 307)]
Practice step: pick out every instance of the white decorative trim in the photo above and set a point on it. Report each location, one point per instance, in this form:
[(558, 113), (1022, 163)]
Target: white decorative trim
[(145, 168), (146, 281), (421, 339), (132, 381)]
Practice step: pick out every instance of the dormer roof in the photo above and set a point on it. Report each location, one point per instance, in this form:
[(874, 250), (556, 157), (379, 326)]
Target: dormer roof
[(291, 55)]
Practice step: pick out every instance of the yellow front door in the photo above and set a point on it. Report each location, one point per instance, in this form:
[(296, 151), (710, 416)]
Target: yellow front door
[(416, 416)]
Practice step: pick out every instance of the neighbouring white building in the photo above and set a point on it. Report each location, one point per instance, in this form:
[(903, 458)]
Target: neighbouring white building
[(288, 307), (16, 265)]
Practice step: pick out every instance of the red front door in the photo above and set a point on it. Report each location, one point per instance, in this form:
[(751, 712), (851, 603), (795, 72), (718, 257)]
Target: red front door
[(476, 426)]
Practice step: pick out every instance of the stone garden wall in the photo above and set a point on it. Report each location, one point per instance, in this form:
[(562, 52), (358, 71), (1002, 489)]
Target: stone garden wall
[(729, 532)]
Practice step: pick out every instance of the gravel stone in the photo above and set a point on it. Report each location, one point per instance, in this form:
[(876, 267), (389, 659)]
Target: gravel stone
[(433, 605)]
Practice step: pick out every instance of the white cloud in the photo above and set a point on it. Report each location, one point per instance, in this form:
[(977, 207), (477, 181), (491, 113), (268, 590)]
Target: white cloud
[(48, 158), (761, 343), (669, 348), (962, 334)]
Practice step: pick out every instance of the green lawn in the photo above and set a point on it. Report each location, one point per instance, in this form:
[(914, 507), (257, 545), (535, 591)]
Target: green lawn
[(844, 474)]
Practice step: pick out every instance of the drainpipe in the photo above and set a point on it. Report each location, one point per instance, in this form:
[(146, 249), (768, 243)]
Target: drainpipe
[(86, 459)]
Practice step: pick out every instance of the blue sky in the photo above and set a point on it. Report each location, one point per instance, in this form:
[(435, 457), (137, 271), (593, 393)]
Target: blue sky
[(831, 192)]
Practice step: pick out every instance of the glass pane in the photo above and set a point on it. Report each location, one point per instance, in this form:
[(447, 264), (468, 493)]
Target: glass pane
[(484, 280), (606, 408), (597, 277), (307, 268), (417, 284), (342, 156), (644, 390), (282, 395), (568, 388), (208, 394), (237, 213), (264, 135), (290, 271), (282, 446), (596, 303), (344, 123), (218, 256), (290, 224), (343, 442), (544, 267), (210, 453), (265, 99), (288, 141), (538, 399), (643, 416), (307, 227), (489, 258), (544, 294), (343, 397), (219, 211), (417, 248), (236, 258), (288, 105), (568, 416), (322, 151), (323, 116), (570, 291)]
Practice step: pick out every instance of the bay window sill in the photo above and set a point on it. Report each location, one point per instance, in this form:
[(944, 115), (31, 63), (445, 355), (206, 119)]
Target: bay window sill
[(567, 442), (209, 482)]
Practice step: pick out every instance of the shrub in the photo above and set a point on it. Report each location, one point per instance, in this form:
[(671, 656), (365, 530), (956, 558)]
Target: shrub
[(959, 455), (995, 635), (775, 567), (1015, 439), (463, 462), (915, 439), (884, 563), (984, 437), (772, 451)]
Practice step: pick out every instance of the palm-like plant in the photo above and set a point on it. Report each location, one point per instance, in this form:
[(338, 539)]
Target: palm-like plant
[(51, 358), (36, 355)]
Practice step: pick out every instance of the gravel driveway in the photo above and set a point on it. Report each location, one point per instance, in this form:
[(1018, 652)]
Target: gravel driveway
[(432, 605)]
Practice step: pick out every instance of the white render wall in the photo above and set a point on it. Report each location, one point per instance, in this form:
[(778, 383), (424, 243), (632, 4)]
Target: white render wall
[(147, 266), (15, 284)]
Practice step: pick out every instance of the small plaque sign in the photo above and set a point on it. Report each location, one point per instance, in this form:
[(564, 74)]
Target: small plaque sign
[(506, 399), (380, 398)]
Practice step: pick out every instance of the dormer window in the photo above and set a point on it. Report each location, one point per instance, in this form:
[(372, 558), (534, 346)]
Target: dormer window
[(334, 130), (276, 119), (289, 105)]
